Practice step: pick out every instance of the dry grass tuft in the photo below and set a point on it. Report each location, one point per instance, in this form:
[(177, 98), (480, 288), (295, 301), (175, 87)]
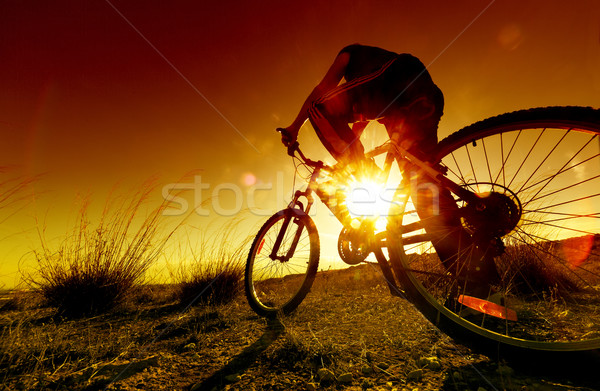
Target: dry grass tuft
[(96, 266), (535, 269), (215, 284), (215, 273)]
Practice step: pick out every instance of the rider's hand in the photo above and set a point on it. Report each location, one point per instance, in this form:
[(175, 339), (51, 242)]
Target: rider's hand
[(288, 136)]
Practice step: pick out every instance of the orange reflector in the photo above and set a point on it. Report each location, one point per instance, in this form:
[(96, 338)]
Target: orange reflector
[(487, 307), (262, 242)]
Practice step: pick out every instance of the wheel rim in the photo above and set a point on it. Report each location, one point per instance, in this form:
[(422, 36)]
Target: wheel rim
[(275, 282), (551, 268)]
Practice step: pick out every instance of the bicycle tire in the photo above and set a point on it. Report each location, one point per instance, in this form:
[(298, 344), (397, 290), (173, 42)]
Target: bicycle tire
[(561, 209), (277, 287)]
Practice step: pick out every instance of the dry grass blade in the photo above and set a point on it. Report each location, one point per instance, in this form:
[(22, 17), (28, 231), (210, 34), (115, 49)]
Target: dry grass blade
[(14, 196), (12, 192)]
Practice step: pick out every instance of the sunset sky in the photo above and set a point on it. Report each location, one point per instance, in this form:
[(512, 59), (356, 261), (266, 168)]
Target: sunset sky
[(97, 94)]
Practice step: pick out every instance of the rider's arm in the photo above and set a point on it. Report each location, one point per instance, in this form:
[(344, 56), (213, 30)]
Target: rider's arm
[(330, 81)]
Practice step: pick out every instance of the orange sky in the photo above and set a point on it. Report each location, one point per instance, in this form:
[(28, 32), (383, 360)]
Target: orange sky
[(97, 93)]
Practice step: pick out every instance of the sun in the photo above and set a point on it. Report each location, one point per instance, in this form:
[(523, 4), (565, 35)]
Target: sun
[(367, 198)]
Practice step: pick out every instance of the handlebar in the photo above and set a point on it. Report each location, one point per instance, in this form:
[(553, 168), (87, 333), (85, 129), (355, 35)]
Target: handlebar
[(294, 147)]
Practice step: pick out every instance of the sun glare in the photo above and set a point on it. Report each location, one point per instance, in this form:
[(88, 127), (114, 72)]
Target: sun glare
[(367, 198)]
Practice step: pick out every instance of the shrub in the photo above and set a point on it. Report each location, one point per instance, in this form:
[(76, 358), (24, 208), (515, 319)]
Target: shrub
[(215, 273), (95, 267), (218, 284)]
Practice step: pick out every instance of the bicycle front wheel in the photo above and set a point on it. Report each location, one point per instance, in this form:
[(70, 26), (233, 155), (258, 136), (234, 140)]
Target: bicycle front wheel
[(539, 172), (282, 263)]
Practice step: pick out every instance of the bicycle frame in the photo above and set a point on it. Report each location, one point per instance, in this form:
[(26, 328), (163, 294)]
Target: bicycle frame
[(375, 243), (394, 152)]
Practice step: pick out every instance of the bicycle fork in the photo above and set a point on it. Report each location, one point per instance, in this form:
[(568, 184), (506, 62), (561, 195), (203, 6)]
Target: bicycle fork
[(281, 236), (291, 218)]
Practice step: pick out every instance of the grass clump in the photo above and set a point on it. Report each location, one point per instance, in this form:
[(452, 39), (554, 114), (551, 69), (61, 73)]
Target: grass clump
[(96, 266), (530, 270), (211, 284), (215, 273)]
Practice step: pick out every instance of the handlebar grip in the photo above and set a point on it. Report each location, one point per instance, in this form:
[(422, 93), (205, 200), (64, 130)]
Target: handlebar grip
[(291, 146), (284, 134)]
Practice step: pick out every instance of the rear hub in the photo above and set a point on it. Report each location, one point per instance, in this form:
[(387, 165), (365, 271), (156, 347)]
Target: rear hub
[(495, 214)]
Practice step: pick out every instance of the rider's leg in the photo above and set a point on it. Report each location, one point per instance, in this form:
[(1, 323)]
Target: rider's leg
[(472, 264), (330, 118)]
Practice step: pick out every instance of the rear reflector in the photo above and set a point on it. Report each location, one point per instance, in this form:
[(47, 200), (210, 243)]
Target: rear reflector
[(487, 307)]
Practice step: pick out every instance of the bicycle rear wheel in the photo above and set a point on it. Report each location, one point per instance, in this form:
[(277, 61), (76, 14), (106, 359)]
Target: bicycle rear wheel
[(282, 263), (541, 168)]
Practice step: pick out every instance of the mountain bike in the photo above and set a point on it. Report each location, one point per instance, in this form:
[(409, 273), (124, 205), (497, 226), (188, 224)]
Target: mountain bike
[(524, 196)]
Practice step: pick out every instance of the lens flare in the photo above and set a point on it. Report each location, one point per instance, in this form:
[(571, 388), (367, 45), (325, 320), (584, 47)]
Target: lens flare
[(366, 199), (249, 179), (577, 250)]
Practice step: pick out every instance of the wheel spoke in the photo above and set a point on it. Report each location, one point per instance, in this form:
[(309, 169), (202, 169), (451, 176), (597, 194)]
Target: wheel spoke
[(561, 190), (562, 170), (536, 251), (460, 175), (487, 160), (543, 161), (571, 215), (526, 157), (503, 166), (579, 231), (568, 202), (519, 271), (471, 163), (560, 173)]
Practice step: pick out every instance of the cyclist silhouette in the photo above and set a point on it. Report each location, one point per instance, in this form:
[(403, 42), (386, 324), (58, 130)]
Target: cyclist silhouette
[(367, 83), (394, 89)]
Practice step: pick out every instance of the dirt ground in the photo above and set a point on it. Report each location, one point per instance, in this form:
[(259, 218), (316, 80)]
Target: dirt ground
[(348, 334)]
